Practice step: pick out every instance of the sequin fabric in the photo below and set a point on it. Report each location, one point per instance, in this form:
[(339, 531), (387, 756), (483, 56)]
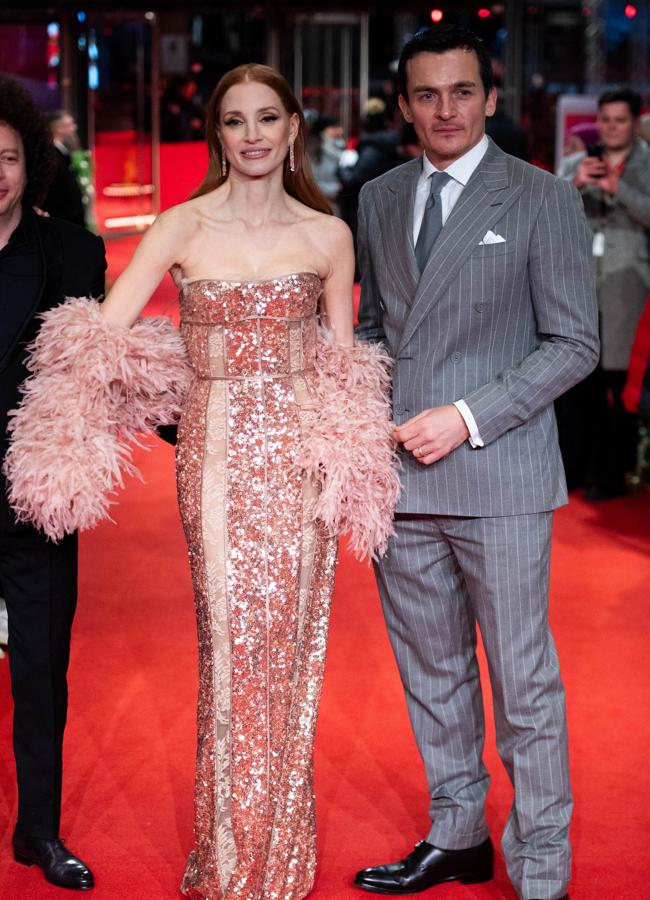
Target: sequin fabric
[(263, 573)]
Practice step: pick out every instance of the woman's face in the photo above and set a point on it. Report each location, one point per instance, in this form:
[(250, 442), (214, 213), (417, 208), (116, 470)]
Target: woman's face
[(255, 129)]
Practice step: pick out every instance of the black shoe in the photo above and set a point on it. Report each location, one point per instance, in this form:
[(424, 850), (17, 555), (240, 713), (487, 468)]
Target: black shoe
[(428, 865), (59, 865)]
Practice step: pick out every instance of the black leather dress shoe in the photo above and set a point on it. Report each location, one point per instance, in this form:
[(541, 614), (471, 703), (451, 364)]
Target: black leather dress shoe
[(427, 866), (60, 866)]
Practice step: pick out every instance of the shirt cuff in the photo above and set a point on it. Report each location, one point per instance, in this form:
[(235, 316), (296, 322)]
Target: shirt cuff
[(475, 438)]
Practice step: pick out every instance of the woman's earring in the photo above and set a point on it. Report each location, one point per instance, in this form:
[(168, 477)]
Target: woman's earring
[(224, 164), (292, 159)]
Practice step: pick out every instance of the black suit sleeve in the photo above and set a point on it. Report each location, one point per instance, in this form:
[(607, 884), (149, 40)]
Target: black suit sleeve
[(99, 275)]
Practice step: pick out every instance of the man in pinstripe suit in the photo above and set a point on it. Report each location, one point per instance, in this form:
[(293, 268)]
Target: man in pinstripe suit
[(476, 275)]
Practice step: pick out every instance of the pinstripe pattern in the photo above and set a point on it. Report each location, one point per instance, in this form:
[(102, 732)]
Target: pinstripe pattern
[(506, 327), (441, 576)]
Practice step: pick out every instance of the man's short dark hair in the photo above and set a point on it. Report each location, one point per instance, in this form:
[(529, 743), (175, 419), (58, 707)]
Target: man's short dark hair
[(441, 39), (18, 110), (622, 95), (56, 115)]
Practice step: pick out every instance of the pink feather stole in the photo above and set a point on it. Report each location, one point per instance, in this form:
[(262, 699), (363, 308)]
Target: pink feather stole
[(94, 388), (349, 450)]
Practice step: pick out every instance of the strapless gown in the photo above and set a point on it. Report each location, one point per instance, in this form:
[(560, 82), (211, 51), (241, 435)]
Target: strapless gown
[(263, 573), (266, 474)]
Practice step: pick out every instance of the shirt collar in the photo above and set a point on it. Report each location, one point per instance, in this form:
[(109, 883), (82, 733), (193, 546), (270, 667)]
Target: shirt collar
[(461, 169)]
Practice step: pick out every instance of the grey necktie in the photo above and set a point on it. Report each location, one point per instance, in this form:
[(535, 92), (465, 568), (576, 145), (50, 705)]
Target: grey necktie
[(431, 221)]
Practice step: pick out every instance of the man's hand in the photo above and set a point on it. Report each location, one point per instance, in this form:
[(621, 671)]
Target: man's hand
[(591, 170), (609, 183), (433, 434)]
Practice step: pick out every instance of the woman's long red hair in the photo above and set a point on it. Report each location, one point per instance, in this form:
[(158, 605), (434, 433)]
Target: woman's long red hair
[(300, 183)]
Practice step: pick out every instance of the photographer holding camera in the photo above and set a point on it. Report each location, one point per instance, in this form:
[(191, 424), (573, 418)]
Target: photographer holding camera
[(614, 180)]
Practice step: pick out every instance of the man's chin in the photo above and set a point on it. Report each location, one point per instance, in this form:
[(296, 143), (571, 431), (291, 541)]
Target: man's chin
[(448, 151)]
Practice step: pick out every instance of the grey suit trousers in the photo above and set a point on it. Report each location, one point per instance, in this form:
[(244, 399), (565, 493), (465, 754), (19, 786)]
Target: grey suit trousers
[(441, 576)]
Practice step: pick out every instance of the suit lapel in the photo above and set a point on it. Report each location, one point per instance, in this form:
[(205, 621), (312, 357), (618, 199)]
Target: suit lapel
[(484, 200), (397, 214)]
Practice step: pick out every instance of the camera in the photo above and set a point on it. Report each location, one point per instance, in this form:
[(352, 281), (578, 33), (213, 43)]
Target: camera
[(596, 151)]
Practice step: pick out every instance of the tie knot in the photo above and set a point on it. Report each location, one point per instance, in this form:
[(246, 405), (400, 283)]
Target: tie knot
[(438, 181)]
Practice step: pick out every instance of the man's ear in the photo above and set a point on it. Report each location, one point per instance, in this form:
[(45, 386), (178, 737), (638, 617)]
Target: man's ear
[(406, 109), (491, 102)]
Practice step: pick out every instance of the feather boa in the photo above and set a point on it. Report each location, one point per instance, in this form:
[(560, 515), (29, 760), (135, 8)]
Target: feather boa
[(349, 450), (94, 388)]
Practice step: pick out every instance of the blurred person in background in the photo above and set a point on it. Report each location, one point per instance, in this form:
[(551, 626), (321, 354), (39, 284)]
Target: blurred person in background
[(410, 145), (327, 143), (65, 197), (504, 131), (578, 138), (42, 261), (376, 153), (644, 127), (181, 115), (581, 136), (599, 436)]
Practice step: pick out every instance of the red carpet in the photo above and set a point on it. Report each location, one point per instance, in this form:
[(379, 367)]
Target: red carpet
[(130, 740)]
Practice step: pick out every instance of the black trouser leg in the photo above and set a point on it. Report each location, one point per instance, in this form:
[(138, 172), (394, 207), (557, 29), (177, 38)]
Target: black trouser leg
[(617, 434), (39, 580), (625, 425), (609, 438)]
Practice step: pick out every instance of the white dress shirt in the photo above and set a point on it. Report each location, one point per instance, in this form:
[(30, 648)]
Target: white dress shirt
[(460, 171)]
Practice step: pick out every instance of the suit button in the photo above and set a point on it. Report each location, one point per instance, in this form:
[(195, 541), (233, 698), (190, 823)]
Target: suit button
[(479, 307), (456, 356), (398, 409)]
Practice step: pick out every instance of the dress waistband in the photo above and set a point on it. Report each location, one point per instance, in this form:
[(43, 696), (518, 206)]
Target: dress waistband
[(264, 376)]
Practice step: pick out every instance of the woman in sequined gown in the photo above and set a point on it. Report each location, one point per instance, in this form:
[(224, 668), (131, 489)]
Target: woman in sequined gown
[(256, 257)]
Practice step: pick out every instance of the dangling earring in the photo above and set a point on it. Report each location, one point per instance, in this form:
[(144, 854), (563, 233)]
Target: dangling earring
[(224, 164), (292, 159)]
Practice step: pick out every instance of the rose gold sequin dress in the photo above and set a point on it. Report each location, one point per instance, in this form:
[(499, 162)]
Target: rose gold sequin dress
[(263, 573)]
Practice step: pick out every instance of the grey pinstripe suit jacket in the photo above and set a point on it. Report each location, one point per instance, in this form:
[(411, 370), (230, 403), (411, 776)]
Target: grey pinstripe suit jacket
[(506, 327)]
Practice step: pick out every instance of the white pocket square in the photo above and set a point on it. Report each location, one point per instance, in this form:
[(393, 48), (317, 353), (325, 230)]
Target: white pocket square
[(491, 238)]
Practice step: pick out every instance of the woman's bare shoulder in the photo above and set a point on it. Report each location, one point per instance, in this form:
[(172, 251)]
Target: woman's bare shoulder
[(325, 227), (188, 215), (332, 233), (183, 214)]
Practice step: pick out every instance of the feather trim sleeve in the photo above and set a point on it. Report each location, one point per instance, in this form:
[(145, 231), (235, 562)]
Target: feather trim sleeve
[(349, 450), (93, 388)]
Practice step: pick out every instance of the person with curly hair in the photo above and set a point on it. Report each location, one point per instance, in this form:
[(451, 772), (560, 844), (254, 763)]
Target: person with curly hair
[(42, 261)]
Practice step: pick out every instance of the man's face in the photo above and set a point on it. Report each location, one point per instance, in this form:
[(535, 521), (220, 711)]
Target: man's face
[(446, 103), (65, 131), (617, 126), (13, 176)]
